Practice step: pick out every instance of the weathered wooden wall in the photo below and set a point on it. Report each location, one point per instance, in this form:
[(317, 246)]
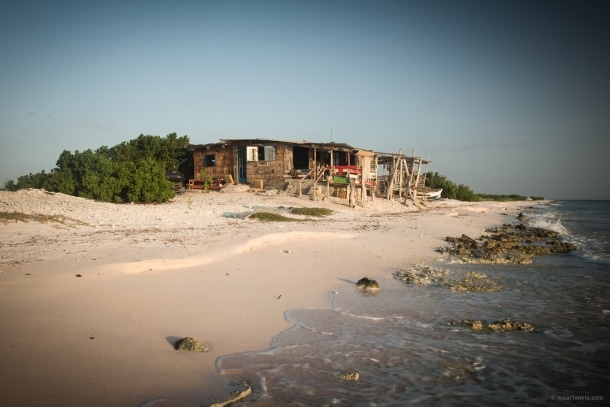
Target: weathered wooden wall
[(271, 172), (224, 161)]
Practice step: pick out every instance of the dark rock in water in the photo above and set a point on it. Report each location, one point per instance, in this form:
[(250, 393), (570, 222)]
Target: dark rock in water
[(454, 280), (473, 324), (508, 325), (472, 281), (191, 345), (562, 247), (522, 217), (507, 244), (350, 376), (423, 275), (502, 325), (367, 283)]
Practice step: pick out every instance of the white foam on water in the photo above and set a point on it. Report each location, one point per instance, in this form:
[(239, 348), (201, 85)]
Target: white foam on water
[(406, 351), (549, 221)]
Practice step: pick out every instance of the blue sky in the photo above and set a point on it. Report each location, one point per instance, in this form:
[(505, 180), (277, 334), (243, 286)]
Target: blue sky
[(503, 96)]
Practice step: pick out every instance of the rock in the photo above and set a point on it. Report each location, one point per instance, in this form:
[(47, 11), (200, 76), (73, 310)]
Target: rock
[(456, 280), (502, 325), (422, 275), (507, 244), (562, 247), (522, 217), (367, 283), (351, 376), (473, 324), (191, 345), (473, 282), (508, 325)]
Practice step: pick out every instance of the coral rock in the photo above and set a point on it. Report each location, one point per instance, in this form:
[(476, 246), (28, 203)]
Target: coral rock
[(191, 345), (367, 283), (352, 376)]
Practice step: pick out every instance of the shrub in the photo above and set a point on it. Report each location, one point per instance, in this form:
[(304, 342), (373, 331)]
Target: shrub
[(131, 171)]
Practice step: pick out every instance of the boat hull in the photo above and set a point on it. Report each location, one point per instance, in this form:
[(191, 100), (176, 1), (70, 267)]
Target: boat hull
[(430, 194)]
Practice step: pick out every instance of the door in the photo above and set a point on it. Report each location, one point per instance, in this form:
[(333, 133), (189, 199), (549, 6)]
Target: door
[(241, 164)]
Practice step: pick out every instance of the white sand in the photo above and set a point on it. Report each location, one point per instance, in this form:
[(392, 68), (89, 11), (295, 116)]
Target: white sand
[(151, 274)]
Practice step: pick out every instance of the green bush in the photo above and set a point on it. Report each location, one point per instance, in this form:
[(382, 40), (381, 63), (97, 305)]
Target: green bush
[(131, 171), (508, 198), (148, 183), (464, 193), (436, 180), (450, 189), (37, 180)]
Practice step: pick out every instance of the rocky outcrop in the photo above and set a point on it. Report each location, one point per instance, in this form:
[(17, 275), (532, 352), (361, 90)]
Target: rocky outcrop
[(456, 280), (472, 281), (423, 275), (507, 244)]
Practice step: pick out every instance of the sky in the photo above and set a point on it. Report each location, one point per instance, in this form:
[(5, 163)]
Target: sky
[(503, 96)]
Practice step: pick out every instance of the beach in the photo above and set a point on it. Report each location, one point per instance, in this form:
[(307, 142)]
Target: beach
[(93, 295)]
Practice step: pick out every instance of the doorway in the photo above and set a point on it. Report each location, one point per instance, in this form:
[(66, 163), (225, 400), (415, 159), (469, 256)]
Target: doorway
[(241, 165), (300, 158)]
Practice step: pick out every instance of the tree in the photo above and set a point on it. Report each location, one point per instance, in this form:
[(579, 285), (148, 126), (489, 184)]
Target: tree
[(169, 150), (436, 180), (146, 181), (464, 193), (131, 171), (30, 181), (450, 189), (61, 180)]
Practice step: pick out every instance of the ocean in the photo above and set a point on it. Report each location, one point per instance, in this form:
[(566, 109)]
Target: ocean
[(407, 352)]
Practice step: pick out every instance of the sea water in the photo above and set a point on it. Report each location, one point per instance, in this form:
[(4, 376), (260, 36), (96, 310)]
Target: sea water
[(407, 352)]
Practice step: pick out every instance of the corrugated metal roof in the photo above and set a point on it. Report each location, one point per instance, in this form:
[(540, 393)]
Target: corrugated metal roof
[(320, 145), (305, 143)]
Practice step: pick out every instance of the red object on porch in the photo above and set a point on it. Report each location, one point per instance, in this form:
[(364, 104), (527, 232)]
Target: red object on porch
[(347, 169), (217, 184)]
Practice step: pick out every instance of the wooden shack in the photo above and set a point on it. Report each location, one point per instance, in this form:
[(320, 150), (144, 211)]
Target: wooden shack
[(332, 170), (266, 163)]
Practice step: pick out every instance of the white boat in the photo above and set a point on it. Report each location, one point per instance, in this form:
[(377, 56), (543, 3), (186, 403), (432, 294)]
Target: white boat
[(430, 194)]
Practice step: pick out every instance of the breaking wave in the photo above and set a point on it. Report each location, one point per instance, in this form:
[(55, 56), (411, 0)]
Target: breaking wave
[(583, 223), (549, 221)]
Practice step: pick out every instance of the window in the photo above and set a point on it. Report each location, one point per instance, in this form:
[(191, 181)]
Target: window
[(266, 153), (252, 153), (269, 153), (209, 160)]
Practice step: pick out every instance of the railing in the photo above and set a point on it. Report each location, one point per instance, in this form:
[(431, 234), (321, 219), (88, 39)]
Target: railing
[(319, 173)]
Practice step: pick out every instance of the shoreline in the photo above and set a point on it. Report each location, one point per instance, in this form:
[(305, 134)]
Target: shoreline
[(151, 274)]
